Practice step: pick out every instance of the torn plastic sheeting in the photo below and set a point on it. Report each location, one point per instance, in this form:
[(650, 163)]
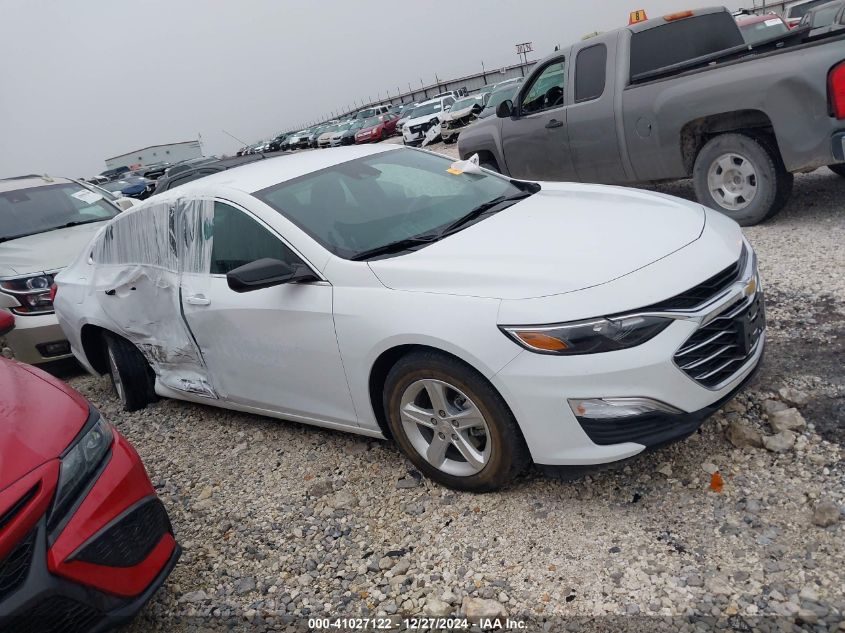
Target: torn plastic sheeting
[(145, 259)]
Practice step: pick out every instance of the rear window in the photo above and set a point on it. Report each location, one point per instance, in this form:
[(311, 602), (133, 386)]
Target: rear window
[(590, 67), (683, 40)]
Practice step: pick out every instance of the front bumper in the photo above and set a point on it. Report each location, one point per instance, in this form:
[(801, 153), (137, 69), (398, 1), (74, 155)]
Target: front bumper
[(538, 387), (99, 564), (38, 339), (45, 602)]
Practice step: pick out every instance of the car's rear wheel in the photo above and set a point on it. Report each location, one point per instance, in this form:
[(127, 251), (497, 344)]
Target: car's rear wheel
[(742, 177), (132, 377), (452, 424), (839, 169)]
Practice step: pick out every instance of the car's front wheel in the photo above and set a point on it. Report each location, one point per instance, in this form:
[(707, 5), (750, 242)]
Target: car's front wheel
[(132, 377), (452, 424)]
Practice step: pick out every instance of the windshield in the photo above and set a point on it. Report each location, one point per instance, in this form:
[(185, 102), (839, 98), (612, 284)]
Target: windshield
[(427, 108), (356, 125), (40, 209), (762, 31), (497, 97), (372, 121), (369, 202)]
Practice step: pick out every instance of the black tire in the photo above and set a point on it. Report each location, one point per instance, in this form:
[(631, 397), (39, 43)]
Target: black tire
[(508, 454), (131, 375), (839, 169), (773, 183), (491, 164)]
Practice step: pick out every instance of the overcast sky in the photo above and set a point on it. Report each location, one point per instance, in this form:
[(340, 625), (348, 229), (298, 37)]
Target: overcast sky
[(86, 79)]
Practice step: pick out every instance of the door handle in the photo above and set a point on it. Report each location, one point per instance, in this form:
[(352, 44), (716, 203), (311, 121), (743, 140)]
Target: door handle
[(198, 300), (554, 123)]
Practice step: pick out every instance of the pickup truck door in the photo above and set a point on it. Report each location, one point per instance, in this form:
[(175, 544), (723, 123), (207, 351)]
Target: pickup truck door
[(591, 117), (535, 141)]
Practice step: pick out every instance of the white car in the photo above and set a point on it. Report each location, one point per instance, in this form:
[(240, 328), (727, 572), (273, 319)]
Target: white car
[(480, 322), (462, 113), (424, 116)]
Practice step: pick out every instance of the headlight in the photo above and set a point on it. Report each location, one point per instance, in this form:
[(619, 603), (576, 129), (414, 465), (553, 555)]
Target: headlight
[(33, 293), (588, 337), (78, 466)]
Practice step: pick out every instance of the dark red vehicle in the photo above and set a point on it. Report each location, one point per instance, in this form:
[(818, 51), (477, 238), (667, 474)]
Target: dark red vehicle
[(84, 540), (377, 128)]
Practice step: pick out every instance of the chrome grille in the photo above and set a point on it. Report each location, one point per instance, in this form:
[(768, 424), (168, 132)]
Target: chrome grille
[(717, 350)]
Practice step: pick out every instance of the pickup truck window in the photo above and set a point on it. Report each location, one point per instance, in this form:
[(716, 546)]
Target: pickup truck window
[(547, 88), (590, 64), (683, 40)]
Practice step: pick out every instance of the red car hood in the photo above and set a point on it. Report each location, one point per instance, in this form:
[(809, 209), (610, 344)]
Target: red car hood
[(39, 417)]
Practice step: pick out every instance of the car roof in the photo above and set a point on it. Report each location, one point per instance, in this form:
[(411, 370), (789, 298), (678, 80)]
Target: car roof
[(25, 182), (271, 171)]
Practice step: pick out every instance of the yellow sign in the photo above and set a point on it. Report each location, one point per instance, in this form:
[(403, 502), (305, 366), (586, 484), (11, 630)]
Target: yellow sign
[(637, 16)]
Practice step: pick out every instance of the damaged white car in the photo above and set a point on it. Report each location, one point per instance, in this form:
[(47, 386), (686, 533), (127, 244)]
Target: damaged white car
[(480, 322)]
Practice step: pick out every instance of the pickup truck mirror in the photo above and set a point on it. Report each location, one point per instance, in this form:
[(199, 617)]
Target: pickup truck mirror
[(504, 109), (267, 272)]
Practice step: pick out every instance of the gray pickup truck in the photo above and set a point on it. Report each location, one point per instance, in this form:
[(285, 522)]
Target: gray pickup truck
[(676, 97)]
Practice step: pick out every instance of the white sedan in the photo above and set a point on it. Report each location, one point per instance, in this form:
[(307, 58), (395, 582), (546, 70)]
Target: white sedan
[(480, 322)]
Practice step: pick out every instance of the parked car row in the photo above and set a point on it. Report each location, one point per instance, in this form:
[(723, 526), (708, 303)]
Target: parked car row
[(375, 123)]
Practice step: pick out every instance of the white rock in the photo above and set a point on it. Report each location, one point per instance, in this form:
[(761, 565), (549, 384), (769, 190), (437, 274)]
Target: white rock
[(779, 443), (787, 420), (794, 397), (476, 608)]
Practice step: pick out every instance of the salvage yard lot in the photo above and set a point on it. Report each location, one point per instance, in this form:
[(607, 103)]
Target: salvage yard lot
[(280, 520)]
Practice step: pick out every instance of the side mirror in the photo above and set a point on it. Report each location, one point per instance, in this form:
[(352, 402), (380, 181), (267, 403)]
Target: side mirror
[(267, 272), (504, 109)]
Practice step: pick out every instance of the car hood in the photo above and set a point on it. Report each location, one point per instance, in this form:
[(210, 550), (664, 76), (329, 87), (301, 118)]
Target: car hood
[(451, 115), (39, 417), (45, 251), (566, 237)]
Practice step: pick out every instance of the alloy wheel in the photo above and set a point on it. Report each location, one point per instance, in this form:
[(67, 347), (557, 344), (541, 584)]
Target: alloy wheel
[(446, 427)]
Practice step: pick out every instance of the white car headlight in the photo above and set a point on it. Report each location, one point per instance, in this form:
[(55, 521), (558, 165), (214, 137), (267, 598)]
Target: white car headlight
[(588, 337)]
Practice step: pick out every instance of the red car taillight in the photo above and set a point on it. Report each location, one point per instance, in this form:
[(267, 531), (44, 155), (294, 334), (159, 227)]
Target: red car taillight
[(836, 90), (54, 289)]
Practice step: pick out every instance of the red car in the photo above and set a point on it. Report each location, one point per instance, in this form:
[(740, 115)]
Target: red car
[(84, 540), (377, 128)]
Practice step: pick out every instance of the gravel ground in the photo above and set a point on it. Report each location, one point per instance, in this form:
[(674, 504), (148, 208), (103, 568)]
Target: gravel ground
[(280, 521)]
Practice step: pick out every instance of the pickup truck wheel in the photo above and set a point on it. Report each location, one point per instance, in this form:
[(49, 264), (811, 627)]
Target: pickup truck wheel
[(452, 424), (131, 375), (838, 169), (491, 164), (742, 177)]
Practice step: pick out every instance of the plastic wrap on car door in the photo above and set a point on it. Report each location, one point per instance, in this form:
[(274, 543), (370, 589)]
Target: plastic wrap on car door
[(143, 260)]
